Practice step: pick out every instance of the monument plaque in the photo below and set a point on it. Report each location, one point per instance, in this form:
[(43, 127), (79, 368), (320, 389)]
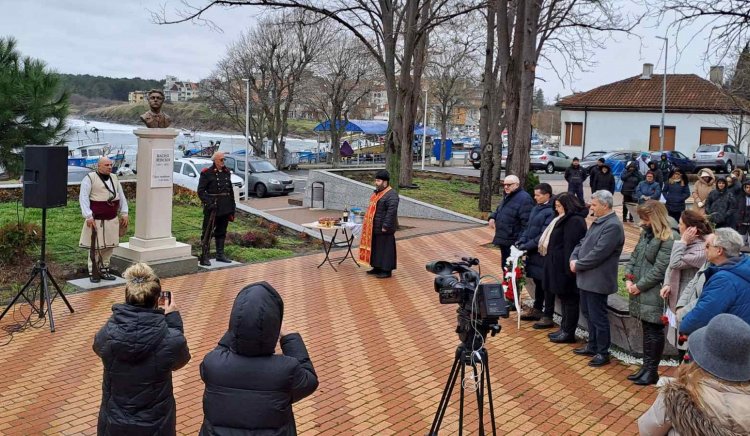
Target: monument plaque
[(161, 168)]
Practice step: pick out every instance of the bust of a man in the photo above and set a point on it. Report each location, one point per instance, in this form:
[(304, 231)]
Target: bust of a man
[(154, 118)]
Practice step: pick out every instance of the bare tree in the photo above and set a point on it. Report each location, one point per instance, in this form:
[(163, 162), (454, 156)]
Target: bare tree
[(727, 20), (395, 33), (453, 61), (338, 82)]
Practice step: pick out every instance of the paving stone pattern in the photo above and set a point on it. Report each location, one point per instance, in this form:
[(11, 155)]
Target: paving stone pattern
[(382, 350)]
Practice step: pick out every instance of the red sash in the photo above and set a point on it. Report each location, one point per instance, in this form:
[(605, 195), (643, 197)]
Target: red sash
[(365, 243), (105, 210)]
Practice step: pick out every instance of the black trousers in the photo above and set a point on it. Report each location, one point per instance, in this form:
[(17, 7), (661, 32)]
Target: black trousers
[(577, 190), (504, 255), (675, 215), (544, 300), (570, 312), (220, 225), (594, 307)]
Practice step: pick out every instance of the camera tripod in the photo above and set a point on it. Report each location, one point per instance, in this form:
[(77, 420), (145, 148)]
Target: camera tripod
[(40, 269), (462, 359)]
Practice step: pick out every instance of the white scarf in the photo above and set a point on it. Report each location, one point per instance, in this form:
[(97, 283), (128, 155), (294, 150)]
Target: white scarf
[(544, 240)]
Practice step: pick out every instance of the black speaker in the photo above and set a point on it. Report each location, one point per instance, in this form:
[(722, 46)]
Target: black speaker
[(45, 176)]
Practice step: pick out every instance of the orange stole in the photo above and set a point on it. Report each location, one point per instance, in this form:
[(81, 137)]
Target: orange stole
[(365, 242)]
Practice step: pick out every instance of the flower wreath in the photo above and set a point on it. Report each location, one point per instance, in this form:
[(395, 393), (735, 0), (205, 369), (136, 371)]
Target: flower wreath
[(520, 272)]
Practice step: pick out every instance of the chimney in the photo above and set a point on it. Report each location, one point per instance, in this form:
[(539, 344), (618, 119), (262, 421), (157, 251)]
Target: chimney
[(648, 71), (716, 75)]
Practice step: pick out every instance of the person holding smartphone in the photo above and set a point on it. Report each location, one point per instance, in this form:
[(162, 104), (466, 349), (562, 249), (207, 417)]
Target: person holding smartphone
[(249, 388), (140, 345)]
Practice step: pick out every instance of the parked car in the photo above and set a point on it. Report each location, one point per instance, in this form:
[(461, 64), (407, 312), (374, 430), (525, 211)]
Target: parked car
[(677, 160), (475, 156), (593, 156), (549, 160), (186, 172), (720, 157), (76, 174), (612, 158), (265, 179)]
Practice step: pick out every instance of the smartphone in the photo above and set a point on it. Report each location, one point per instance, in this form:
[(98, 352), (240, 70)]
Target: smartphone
[(165, 298)]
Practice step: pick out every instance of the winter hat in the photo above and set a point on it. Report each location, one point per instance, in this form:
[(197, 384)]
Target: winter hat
[(383, 175), (705, 174), (722, 348)]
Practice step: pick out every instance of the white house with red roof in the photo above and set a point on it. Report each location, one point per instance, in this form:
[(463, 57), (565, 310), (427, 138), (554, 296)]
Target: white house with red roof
[(626, 115)]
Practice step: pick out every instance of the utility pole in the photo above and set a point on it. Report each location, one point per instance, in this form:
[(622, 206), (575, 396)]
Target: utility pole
[(247, 137), (663, 94), (424, 128)]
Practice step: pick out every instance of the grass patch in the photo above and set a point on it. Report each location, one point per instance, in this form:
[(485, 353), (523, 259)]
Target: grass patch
[(621, 291), (66, 260)]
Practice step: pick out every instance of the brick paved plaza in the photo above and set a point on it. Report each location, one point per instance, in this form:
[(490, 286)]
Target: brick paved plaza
[(382, 350)]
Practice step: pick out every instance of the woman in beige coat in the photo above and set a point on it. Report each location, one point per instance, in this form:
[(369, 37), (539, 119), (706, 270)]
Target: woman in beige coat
[(705, 184), (710, 396)]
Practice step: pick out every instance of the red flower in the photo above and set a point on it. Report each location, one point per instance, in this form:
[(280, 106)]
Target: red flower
[(509, 291), (629, 277), (681, 339), (664, 320), (687, 358)]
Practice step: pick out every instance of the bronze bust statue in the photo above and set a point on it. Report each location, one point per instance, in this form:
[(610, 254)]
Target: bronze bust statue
[(155, 118)]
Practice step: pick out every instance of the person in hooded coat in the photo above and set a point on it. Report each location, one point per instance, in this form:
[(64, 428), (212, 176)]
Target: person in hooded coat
[(604, 180), (140, 345), (743, 214), (675, 191), (721, 206), (658, 176), (703, 186), (631, 177), (249, 389)]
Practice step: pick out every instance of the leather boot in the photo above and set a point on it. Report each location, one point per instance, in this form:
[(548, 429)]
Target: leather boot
[(220, 257), (655, 349)]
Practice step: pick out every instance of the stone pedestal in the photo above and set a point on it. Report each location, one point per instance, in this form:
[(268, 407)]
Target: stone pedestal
[(153, 242)]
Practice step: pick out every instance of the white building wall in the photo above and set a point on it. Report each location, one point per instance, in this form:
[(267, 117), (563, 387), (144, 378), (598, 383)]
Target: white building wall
[(630, 130)]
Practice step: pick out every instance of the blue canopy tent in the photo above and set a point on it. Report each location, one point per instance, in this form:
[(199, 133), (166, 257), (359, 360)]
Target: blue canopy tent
[(368, 127), (431, 131)]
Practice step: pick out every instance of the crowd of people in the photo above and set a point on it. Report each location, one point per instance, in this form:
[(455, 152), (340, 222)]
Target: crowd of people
[(686, 268)]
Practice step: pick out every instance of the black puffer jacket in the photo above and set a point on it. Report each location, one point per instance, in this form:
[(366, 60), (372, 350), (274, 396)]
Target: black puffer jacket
[(721, 207), (743, 213), (630, 180), (539, 219), (604, 180), (568, 232), (511, 217), (386, 213), (249, 389), (139, 348)]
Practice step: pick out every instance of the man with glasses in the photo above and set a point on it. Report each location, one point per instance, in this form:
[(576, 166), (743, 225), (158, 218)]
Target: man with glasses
[(510, 218), (727, 288), (101, 199), (216, 193)]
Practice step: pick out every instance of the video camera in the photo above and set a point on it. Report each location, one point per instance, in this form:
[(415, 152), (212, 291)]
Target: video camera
[(479, 305)]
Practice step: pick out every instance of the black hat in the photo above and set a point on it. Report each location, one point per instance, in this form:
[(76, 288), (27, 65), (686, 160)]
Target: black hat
[(383, 175), (601, 159)]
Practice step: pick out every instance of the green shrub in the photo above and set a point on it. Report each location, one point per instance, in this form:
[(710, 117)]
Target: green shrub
[(531, 180), (185, 197), (17, 241)]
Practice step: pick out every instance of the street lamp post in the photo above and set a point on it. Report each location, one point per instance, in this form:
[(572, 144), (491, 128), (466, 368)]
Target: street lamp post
[(663, 93), (424, 128), (247, 136)]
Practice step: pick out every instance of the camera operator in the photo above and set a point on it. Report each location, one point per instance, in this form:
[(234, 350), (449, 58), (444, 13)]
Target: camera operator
[(249, 389), (140, 345)]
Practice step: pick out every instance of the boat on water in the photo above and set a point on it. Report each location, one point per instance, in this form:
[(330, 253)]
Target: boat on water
[(197, 149), (87, 155)]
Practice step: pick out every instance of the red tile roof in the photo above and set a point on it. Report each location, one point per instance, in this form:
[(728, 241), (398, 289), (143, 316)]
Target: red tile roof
[(685, 93)]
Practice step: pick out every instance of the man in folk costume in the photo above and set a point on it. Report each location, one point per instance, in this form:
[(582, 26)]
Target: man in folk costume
[(102, 199), (217, 194), (378, 244)]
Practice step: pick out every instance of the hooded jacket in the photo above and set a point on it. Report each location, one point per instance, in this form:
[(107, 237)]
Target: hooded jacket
[(648, 263), (630, 180), (721, 207), (702, 189), (139, 348), (603, 181), (249, 389), (725, 410), (653, 166), (675, 194), (743, 211), (725, 291)]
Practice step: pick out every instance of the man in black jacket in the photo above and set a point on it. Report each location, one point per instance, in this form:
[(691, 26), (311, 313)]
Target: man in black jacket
[(575, 176), (595, 171), (250, 389), (511, 217), (216, 192), (378, 241)]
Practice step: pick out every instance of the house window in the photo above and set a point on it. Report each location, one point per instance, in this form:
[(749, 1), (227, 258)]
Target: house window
[(713, 135), (653, 140), (574, 134)]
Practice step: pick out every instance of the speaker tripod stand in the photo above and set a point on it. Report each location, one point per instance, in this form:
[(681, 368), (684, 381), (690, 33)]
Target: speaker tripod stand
[(464, 358), (40, 269)]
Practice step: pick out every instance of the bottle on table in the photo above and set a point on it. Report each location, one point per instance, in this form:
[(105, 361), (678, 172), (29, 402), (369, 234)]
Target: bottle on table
[(345, 216)]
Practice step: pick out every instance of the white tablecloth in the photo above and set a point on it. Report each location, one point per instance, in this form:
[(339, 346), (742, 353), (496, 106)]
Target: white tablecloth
[(354, 229)]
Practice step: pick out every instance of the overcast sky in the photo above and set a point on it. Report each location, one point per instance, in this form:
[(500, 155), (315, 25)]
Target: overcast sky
[(117, 38)]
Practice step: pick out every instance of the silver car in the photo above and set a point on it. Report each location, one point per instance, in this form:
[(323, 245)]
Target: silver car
[(549, 160), (265, 179), (720, 157)]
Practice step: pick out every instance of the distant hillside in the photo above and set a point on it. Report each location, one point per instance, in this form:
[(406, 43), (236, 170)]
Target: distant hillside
[(186, 115), (98, 87)]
